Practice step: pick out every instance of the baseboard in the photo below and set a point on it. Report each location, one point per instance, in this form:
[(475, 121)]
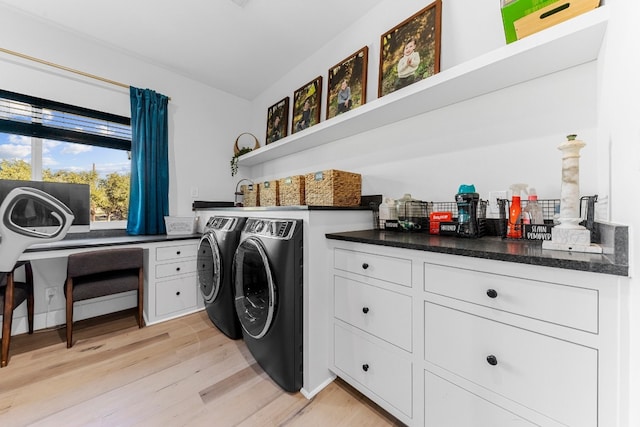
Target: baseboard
[(310, 394)]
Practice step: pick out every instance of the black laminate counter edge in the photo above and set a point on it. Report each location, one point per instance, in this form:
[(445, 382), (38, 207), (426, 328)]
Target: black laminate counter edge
[(493, 248), (97, 242), (289, 208)]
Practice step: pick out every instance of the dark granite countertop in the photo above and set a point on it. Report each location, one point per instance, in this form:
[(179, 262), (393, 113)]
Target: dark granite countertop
[(494, 248)]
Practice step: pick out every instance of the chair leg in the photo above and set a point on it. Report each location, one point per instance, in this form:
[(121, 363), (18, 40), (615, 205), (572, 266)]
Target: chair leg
[(7, 318), (140, 298), (69, 292), (30, 304)]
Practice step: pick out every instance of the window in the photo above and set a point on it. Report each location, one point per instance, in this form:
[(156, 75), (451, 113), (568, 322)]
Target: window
[(51, 141)]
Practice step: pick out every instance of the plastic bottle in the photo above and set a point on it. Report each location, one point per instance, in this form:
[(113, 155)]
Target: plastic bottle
[(514, 227), (532, 213), (387, 211)]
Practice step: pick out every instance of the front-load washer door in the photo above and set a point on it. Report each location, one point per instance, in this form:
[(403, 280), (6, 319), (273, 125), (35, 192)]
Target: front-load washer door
[(209, 267), (255, 289)]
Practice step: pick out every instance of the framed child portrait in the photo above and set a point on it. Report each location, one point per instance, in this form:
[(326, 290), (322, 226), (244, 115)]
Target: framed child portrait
[(306, 105), (347, 84), (410, 51), (277, 120)]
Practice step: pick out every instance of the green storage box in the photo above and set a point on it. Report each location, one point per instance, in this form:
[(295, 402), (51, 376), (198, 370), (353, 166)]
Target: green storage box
[(516, 9), (524, 17)]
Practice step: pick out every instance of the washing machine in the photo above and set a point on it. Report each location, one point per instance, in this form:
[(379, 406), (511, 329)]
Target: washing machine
[(215, 266), (268, 280)]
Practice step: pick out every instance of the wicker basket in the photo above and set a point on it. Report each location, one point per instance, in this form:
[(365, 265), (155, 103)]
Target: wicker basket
[(292, 190), (250, 195), (333, 188), (269, 194)]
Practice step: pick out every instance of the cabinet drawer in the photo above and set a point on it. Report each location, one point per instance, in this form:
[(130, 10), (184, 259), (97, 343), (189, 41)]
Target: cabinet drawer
[(551, 302), (447, 404), (176, 252), (556, 378), (176, 295), (380, 312), (376, 368), (390, 269), (175, 268)]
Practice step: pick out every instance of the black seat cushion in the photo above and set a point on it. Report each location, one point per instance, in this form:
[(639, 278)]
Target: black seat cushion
[(101, 284), (104, 261)]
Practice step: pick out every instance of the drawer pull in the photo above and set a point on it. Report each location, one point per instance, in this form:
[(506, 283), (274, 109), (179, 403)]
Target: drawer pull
[(178, 293), (178, 253), (177, 268), (365, 265), (365, 310), (492, 293), (365, 367), (492, 360)]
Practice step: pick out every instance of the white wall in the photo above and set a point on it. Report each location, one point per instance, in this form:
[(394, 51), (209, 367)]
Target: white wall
[(492, 141), (203, 122), (619, 130)]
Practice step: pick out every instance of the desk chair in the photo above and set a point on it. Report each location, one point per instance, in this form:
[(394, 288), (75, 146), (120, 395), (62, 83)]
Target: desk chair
[(99, 273), (12, 294)]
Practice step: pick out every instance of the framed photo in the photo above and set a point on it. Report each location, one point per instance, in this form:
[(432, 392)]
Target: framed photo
[(410, 52), (347, 84), (277, 120), (306, 105)]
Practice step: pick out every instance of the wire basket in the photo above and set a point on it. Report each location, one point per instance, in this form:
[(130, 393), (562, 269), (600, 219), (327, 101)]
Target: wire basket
[(550, 211), (413, 215)]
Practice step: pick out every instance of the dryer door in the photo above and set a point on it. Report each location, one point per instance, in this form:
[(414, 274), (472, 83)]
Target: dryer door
[(209, 267), (255, 288)]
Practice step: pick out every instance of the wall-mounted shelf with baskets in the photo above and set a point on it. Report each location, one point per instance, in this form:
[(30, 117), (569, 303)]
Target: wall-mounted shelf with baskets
[(568, 44)]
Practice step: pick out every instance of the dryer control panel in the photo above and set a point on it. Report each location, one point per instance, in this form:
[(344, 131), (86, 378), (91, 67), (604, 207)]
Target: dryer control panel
[(274, 228), (222, 223)]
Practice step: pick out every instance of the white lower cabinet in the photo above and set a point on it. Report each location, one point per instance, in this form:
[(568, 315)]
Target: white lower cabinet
[(551, 376), (376, 367), (447, 404), (477, 343), (171, 282)]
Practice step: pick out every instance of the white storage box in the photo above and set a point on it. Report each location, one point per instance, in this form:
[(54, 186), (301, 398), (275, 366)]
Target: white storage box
[(180, 224)]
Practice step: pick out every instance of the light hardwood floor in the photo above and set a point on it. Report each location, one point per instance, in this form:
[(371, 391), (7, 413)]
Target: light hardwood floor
[(183, 372)]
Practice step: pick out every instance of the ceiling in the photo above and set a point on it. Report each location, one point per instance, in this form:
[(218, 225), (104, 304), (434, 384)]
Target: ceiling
[(238, 46)]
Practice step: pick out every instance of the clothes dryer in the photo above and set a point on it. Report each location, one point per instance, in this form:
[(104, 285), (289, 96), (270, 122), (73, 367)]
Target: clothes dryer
[(268, 280), (215, 265)]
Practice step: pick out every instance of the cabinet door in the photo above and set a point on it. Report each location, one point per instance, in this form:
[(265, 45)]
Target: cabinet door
[(377, 368), (175, 268), (380, 312), (165, 253), (446, 404), (176, 295), (556, 378), (389, 269), (571, 306)]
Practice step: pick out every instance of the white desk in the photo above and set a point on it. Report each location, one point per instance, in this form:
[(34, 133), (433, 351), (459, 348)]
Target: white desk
[(49, 262)]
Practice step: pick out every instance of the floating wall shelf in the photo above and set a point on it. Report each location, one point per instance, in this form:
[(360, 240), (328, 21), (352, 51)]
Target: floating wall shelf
[(563, 46)]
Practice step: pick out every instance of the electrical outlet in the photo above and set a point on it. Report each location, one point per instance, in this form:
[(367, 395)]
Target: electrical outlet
[(50, 293), (493, 200)]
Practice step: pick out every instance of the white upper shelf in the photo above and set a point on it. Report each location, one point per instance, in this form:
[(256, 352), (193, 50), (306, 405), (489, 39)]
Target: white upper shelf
[(573, 42)]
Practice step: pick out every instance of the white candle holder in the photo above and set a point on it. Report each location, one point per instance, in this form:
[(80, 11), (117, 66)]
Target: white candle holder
[(569, 235)]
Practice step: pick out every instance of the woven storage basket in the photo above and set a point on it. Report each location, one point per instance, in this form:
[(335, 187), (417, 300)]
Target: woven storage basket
[(269, 194), (333, 188), (250, 195), (292, 190)]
